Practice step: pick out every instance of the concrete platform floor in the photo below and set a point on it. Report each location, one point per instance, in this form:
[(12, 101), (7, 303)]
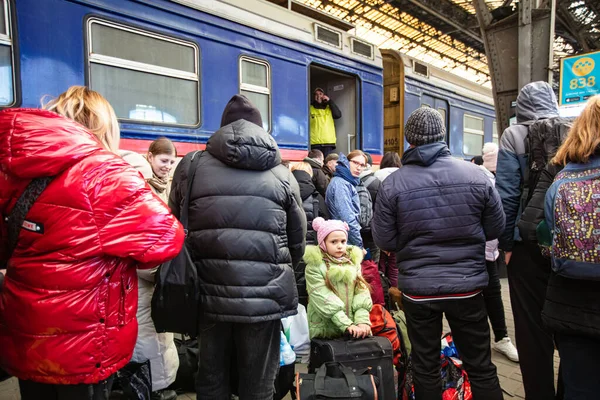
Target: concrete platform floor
[(508, 371)]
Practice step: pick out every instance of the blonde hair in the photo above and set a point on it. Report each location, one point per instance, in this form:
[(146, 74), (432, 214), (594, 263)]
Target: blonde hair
[(90, 109), (583, 139), (303, 166)]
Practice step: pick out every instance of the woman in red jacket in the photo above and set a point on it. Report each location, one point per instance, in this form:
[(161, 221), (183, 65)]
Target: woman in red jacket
[(69, 300)]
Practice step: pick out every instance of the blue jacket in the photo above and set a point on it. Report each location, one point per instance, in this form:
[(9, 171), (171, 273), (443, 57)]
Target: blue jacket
[(342, 200), (436, 213), (536, 101)]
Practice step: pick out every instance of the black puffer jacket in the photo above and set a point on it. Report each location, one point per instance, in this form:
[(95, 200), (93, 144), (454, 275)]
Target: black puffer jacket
[(312, 203), (246, 226), (319, 178)]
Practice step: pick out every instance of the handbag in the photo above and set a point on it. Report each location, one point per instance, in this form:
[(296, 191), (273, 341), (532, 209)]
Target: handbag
[(335, 381), (15, 221), (176, 297), (135, 381)]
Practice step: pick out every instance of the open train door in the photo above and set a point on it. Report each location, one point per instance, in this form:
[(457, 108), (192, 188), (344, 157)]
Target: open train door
[(393, 102), (342, 89)]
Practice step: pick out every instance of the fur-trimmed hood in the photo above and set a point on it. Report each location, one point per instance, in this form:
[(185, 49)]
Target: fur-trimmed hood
[(314, 256)]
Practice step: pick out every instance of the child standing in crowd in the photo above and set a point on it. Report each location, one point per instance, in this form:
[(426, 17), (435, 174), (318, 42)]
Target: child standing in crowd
[(339, 298)]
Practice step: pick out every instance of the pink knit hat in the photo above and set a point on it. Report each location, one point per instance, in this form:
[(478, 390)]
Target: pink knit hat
[(490, 156), (324, 228)]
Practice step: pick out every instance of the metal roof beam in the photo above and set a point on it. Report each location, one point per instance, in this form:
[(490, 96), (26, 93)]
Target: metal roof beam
[(451, 14), (426, 36)]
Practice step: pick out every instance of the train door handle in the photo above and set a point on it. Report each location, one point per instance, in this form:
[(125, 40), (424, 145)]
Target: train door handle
[(349, 141)]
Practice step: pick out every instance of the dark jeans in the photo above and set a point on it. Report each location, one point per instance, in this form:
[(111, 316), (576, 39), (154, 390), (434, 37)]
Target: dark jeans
[(492, 295), (325, 148), (471, 333), (35, 391), (528, 280), (579, 357), (256, 348)]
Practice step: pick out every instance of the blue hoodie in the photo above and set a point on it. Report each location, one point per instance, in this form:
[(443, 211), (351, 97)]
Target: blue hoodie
[(342, 200), (436, 213)]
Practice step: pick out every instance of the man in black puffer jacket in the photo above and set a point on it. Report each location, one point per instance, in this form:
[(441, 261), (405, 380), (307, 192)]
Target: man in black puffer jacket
[(436, 213), (246, 231)]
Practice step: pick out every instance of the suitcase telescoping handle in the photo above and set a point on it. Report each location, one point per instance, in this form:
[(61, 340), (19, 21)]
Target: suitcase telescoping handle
[(336, 369)]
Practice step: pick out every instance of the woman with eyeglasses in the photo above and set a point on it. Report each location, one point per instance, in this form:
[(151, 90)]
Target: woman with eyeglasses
[(342, 198)]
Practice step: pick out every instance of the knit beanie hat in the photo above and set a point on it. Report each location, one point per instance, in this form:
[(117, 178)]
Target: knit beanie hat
[(490, 156), (425, 125), (324, 228), (239, 107)]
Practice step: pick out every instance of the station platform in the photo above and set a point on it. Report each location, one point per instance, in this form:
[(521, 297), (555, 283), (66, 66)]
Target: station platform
[(508, 371)]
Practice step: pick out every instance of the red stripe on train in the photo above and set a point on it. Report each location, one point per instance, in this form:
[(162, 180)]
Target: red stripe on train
[(141, 146)]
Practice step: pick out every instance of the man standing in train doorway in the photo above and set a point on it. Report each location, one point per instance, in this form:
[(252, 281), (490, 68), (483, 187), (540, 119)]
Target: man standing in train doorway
[(322, 128)]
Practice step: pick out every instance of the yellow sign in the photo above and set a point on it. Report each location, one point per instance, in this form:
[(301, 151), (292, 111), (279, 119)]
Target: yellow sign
[(583, 66)]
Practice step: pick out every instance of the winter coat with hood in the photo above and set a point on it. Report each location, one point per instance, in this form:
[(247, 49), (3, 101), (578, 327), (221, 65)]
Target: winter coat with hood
[(69, 301), (329, 312), (159, 348), (319, 178), (436, 213), (342, 200), (312, 203), (382, 174), (536, 101), (246, 223)]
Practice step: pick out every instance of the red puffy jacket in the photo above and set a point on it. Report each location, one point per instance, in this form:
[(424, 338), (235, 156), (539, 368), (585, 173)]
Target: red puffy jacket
[(69, 300)]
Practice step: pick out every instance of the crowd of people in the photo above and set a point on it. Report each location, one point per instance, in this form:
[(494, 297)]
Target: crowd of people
[(86, 227)]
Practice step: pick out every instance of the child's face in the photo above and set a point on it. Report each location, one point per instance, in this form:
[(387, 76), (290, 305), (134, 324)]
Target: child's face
[(335, 243)]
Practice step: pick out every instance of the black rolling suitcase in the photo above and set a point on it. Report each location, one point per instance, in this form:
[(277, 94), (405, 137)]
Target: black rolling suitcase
[(372, 352)]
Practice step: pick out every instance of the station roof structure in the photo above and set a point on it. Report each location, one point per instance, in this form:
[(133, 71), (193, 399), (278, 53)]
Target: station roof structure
[(445, 33)]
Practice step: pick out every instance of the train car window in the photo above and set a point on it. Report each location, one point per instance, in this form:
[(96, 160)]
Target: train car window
[(472, 135), (7, 78), (145, 76), (255, 83), (495, 138), (443, 112)]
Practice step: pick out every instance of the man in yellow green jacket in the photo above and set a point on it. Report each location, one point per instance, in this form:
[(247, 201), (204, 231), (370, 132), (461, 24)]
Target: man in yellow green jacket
[(322, 128)]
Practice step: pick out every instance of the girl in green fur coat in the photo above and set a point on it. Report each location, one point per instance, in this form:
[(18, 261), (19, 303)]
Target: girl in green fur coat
[(339, 299)]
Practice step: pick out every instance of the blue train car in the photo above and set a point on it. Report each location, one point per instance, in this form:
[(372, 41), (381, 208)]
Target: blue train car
[(169, 67), (467, 108)]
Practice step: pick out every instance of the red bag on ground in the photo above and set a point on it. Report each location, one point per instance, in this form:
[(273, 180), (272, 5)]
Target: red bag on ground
[(383, 324), (370, 271)]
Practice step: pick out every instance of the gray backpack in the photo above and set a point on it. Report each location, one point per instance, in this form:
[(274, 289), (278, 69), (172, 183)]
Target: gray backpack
[(366, 206)]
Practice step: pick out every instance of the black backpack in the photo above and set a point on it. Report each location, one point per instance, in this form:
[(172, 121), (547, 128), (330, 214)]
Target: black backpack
[(544, 137)]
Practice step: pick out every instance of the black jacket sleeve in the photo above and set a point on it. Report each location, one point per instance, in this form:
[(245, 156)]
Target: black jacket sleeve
[(320, 181), (179, 185), (296, 223), (534, 212), (335, 110)]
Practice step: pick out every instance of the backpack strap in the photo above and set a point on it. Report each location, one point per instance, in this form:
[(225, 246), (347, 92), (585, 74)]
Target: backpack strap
[(368, 180), (190, 178), (17, 216)]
